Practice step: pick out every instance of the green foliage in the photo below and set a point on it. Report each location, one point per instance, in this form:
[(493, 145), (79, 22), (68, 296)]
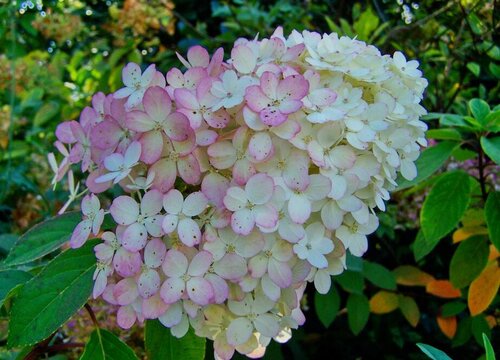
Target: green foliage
[(358, 312), (444, 206), (492, 214), (379, 275), (327, 306), (50, 298), (433, 353), (104, 345), (162, 345), (10, 279), (462, 269), (43, 238)]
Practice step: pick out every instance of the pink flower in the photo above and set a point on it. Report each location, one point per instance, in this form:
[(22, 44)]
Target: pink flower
[(120, 165), (250, 206), (156, 122), (93, 217), (139, 221), (185, 279), (275, 99), (136, 83)]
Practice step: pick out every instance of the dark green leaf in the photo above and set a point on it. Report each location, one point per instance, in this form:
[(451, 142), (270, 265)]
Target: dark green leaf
[(432, 352), (104, 345), (358, 312), (327, 306), (469, 260), (429, 162), (43, 238), (351, 281), (379, 275), (10, 279), (422, 247), (479, 327), (453, 308), (492, 214), (491, 147), (50, 298), (474, 68), (162, 345), (445, 205)]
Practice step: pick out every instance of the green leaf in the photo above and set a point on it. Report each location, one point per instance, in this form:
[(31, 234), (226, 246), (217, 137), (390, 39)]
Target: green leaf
[(444, 134), (351, 281), (474, 68), (327, 306), (358, 312), (490, 353), (453, 308), (422, 247), (445, 205), (46, 112), (491, 147), (492, 215), (379, 275), (50, 298), (479, 327), (432, 352), (429, 162), (468, 261), (479, 109), (43, 238), (162, 345), (9, 279), (104, 345)]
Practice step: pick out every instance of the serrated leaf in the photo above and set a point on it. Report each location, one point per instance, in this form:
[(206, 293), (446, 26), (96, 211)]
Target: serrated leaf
[(492, 215), (384, 302), (162, 345), (43, 238), (409, 309), (411, 276), (327, 306), (491, 147), (358, 312), (482, 290), (429, 162), (50, 298), (432, 352), (379, 275), (445, 205), (104, 345), (469, 260), (9, 279)]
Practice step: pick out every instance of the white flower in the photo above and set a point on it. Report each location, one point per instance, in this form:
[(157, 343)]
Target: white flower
[(314, 246), (120, 165), (230, 89)]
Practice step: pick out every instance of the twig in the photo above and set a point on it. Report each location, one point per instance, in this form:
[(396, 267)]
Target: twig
[(92, 315)]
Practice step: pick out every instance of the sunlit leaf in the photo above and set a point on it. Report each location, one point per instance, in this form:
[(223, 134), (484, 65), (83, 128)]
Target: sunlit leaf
[(384, 302), (443, 289), (482, 290)]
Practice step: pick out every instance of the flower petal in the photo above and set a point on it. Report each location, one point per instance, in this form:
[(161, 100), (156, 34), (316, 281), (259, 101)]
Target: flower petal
[(175, 263), (124, 210), (200, 290)]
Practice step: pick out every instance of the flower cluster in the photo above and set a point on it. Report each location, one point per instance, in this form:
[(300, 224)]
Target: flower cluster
[(242, 180)]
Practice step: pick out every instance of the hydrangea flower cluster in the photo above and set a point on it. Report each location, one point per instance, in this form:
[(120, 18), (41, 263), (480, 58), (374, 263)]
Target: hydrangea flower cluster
[(242, 180)]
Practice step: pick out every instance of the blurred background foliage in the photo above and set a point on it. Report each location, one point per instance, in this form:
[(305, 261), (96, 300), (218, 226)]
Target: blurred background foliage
[(54, 55)]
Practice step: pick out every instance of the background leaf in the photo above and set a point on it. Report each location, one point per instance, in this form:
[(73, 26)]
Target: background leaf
[(483, 289), (492, 215), (491, 147), (409, 309), (379, 275), (50, 298), (358, 312), (469, 260), (104, 345), (384, 302), (327, 306), (162, 345), (445, 205), (432, 352)]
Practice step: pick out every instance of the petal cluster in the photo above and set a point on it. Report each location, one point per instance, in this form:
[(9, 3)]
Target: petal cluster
[(242, 179)]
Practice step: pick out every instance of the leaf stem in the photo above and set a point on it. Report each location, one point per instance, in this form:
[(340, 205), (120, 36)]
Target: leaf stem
[(92, 315)]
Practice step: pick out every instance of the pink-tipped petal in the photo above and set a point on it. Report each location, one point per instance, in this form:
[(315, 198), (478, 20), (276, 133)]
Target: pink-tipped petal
[(124, 210), (172, 290), (175, 263)]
